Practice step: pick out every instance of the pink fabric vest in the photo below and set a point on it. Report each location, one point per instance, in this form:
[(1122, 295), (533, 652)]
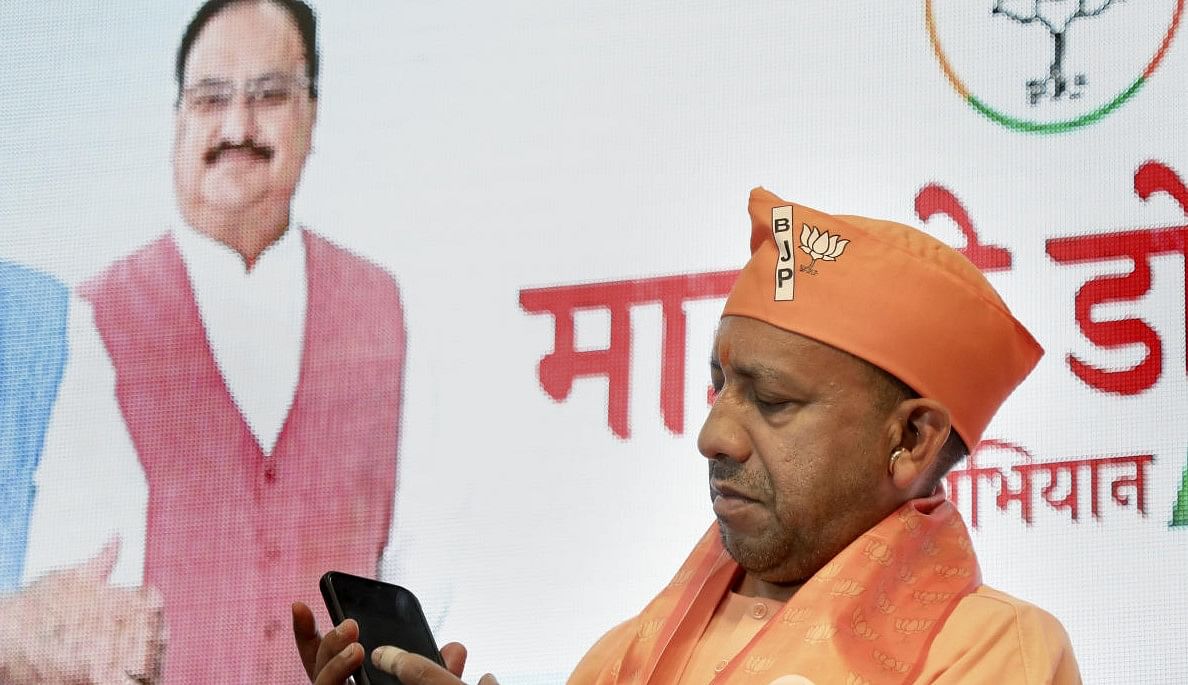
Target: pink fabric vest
[(234, 536)]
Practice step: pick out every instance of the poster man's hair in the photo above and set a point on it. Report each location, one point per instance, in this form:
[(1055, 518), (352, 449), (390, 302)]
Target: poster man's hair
[(300, 12)]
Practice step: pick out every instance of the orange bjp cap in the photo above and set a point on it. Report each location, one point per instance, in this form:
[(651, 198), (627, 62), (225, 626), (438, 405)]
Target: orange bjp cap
[(890, 294)]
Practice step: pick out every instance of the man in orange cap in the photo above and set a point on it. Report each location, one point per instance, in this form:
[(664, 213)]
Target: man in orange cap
[(855, 361)]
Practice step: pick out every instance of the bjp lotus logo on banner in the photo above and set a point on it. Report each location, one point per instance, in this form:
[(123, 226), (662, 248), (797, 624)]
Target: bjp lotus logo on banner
[(1049, 66)]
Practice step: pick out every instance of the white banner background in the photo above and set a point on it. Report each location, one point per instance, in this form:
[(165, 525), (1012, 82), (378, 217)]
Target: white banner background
[(479, 149)]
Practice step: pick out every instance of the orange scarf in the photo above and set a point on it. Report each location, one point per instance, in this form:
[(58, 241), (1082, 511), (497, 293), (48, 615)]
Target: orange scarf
[(868, 616)]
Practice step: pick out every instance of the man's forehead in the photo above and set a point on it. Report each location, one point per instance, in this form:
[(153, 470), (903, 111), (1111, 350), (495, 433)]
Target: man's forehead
[(741, 337), (756, 346), (246, 39)]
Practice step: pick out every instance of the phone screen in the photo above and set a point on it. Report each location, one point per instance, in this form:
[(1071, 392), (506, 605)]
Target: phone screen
[(387, 615)]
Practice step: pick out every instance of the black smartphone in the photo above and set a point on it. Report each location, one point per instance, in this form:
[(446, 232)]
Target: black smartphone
[(387, 615)]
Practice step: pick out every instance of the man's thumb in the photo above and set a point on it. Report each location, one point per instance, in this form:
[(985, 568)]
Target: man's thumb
[(99, 567)]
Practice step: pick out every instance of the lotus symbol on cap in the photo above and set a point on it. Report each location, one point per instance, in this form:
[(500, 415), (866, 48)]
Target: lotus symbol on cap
[(820, 246)]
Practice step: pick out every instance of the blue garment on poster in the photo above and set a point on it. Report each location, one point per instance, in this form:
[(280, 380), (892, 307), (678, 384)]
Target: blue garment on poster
[(32, 356)]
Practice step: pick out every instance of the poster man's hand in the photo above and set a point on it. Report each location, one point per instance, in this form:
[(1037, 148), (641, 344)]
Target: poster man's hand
[(73, 626)]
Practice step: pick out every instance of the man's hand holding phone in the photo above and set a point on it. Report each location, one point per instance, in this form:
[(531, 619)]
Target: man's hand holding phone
[(333, 658)]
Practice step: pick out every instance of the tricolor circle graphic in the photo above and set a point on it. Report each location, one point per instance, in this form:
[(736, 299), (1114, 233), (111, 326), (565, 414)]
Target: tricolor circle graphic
[(1101, 107)]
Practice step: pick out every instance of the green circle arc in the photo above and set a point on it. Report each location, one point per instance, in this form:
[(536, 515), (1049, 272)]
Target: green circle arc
[(1056, 126)]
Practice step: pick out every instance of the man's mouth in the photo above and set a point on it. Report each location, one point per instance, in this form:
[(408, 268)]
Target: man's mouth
[(720, 489), (731, 505)]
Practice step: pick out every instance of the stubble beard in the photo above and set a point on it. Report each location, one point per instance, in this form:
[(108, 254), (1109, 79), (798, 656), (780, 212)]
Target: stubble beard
[(776, 555), (777, 550), (791, 553)]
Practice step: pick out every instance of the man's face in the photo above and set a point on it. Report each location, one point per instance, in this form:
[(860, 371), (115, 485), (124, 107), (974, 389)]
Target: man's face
[(797, 441), (245, 120)]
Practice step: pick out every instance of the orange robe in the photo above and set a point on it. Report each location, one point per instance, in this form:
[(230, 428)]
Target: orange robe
[(904, 603)]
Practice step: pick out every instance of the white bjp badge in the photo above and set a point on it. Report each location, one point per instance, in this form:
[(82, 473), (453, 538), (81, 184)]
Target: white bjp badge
[(785, 268)]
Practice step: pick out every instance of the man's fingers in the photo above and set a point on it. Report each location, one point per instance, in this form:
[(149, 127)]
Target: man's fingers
[(335, 641), (411, 669), (488, 680), (341, 666), (454, 656), (305, 634)]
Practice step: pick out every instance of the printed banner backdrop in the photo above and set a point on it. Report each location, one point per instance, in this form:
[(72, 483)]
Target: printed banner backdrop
[(523, 169)]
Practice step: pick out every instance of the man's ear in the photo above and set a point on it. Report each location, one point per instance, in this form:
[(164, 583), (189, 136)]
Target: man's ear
[(920, 429)]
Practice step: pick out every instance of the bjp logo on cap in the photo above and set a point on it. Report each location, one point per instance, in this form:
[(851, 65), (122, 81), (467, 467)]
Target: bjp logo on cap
[(817, 244), (820, 246)]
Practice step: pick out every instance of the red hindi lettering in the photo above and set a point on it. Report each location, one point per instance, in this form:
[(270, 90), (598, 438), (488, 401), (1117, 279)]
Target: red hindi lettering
[(1136, 246), (1022, 495), (1119, 484), (558, 369), (1070, 501), (936, 199), (1138, 481), (1155, 177), (974, 475)]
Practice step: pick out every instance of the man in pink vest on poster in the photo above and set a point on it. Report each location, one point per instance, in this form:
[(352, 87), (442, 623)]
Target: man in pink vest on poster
[(255, 376)]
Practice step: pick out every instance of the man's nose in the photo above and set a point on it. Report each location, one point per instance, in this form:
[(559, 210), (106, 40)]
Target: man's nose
[(239, 120), (722, 434)]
